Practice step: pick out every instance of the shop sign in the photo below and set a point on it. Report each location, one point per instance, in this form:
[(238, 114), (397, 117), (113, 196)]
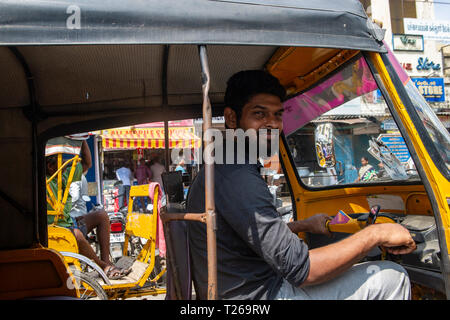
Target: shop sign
[(397, 146), (407, 42), (424, 64), (430, 29), (432, 89), (407, 66)]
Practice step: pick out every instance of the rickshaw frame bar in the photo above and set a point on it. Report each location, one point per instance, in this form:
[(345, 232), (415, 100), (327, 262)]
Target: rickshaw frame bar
[(209, 181)]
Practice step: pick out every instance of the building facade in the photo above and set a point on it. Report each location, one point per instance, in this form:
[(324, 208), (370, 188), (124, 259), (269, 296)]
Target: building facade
[(421, 44)]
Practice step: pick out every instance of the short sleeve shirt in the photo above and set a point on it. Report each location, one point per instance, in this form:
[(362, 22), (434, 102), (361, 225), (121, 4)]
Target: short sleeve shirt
[(124, 175), (255, 249), (77, 190), (143, 173)]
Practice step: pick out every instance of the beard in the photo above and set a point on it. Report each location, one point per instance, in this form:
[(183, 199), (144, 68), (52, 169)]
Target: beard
[(268, 142)]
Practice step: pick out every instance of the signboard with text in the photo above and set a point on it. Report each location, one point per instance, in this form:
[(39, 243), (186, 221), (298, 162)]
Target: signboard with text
[(430, 29), (407, 42), (397, 146), (432, 89)]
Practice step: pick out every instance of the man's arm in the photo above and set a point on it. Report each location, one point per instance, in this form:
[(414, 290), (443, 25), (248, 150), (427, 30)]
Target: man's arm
[(86, 159), (329, 261), (315, 224)]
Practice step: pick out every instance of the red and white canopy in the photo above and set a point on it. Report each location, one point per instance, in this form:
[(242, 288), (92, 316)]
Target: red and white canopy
[(149, 138)]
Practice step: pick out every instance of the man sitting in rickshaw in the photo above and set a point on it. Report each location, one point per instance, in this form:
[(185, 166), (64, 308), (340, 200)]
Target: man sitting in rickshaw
[(83, 224), (261, 257)]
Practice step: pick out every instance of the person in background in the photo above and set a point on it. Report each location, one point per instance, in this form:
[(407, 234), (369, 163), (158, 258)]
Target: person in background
[(81, 224), (143, 176), (157, 169), (125, 175), (180, 166), (366, 172)]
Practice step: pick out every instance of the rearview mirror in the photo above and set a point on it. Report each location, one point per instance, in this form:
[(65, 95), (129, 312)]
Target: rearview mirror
[(324, 142)]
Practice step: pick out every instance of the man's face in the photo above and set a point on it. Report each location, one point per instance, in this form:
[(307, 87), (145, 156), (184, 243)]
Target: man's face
[(51, 167), (262, 111)]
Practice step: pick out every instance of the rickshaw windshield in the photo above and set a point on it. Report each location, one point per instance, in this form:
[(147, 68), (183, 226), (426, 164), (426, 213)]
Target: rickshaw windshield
[(436, 130), (439, 148), (341, 132)]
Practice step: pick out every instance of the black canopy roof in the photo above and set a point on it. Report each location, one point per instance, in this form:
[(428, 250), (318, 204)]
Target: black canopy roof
[(320, 23)]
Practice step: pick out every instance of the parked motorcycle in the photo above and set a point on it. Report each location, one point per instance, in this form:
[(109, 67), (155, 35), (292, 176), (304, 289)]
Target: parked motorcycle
[(117, 220), (117, 233)]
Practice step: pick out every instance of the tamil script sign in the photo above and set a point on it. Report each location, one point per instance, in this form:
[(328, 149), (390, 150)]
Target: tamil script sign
[(397, 146), (432, 89), (430, 29)]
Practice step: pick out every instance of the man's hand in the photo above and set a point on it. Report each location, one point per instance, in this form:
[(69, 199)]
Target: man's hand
[(395, 238), (329, 261), (315, 224)]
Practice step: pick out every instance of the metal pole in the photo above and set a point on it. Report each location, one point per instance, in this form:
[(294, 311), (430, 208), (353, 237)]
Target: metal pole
[(165, 103), (98, 177), (209, 181), (166, 145)]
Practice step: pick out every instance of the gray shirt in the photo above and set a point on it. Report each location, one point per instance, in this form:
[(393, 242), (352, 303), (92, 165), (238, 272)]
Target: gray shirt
[(77, 190), (255, 248)]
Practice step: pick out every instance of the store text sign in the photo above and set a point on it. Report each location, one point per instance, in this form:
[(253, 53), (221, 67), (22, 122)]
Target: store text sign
[(407, 42), (432, 89), (425, 64)]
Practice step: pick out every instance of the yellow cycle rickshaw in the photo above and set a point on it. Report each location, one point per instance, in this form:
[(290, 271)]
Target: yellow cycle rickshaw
[(96, 283)]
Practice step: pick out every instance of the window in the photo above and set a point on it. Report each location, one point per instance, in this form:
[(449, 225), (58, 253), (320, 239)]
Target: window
[(400, 9), (340, 132)]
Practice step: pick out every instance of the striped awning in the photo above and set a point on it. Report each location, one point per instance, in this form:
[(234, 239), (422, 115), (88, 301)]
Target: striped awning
[(149, 138)]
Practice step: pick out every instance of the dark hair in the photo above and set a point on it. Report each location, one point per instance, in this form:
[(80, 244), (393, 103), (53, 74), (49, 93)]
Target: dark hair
[(365, 158), (243, 85), (51, 160)]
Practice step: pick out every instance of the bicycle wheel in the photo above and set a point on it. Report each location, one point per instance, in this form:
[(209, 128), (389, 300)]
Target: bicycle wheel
[(89, 287)]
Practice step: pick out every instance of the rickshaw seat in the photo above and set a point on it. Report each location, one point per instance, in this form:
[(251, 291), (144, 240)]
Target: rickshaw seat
[(37, 273), (176, 235), (180, 270), (62, 240)]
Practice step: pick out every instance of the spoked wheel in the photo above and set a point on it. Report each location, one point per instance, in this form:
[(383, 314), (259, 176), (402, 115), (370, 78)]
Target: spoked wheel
[(89, 288)]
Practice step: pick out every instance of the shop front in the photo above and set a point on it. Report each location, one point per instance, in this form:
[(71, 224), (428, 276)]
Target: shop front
[(126, 146)]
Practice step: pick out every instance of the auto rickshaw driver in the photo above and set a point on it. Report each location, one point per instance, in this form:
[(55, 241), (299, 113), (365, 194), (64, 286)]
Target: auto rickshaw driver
[(80, 227), (261, 257)]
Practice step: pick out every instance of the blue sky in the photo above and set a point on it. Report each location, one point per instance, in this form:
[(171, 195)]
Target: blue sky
[(442, 9)]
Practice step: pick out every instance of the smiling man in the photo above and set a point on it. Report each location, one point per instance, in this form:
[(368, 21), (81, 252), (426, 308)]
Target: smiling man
[(258, 255)]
